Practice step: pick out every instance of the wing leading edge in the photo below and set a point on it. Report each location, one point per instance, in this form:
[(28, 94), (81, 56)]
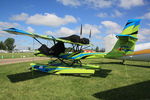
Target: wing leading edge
[(34, 35)]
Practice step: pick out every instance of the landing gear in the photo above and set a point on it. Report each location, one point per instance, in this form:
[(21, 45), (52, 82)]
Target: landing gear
[(123, 62)]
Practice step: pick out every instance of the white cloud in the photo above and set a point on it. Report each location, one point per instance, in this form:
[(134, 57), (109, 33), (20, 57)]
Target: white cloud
[(64, 31), (111, 27), (142, 46), (94, 29), (127, 4), (5, 25), (50, 20), (141, 38), (30, 29), (112, 41), (85, 30), (144, 35), (148, 24), (102, 15), (19, 17), (144, 31), (49, 33), (115, 13), (145, 16), (90, 3), (46, 19), (98, 3), (98, 37), (69, 2), (8, 25)]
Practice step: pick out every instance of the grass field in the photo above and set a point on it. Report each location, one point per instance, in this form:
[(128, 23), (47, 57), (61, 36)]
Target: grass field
[(15, 55), (113, 82)]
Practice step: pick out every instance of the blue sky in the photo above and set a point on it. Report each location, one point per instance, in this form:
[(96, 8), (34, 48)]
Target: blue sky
[(64, 17)]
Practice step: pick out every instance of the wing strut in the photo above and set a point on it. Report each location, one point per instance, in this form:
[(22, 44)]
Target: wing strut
[(37, 40)]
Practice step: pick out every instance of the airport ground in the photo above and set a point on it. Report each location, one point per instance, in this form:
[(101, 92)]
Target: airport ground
[(113, 81)]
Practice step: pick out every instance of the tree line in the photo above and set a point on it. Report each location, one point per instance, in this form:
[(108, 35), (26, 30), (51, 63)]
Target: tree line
[(8, 44)]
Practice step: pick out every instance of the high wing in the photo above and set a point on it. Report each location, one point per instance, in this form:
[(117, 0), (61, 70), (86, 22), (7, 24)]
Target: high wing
[(34, 35)]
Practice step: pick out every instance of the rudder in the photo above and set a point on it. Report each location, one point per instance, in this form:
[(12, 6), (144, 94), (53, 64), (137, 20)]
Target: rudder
[(126, 40)]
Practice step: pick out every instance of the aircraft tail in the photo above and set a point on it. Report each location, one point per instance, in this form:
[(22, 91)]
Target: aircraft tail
[(126, 40)]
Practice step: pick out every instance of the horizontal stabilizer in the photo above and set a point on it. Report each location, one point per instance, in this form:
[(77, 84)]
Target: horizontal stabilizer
[(131, 28)]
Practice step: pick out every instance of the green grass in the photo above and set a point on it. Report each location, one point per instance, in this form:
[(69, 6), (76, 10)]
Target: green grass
[(15, 55), (113, 82)]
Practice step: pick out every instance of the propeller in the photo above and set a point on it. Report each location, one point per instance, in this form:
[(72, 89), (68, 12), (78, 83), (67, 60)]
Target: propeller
[(90, 34), (81, 31)]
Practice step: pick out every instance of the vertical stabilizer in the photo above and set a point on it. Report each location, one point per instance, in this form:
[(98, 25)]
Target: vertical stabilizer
[(126, 40)]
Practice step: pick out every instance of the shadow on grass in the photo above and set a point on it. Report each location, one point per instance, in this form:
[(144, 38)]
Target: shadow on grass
[(26, 76), (103, 73), (123, 64), (35, 74), (139, 91)]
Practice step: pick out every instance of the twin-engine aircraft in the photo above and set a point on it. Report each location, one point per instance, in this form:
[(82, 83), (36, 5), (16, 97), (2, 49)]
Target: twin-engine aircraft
[(69, 61)]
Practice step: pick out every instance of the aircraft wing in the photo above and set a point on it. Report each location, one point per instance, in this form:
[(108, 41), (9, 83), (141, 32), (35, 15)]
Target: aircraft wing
[(34, 35), (21, 32)]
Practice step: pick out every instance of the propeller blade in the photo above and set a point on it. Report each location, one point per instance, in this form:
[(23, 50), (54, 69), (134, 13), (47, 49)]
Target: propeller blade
[(81, 31), (90, 34)]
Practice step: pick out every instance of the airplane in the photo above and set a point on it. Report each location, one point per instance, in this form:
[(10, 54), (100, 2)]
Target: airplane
[(125, 45), (70, 62), (64, 62)]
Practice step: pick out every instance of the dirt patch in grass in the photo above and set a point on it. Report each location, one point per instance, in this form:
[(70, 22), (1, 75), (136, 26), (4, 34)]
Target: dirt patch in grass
[(18, 60)]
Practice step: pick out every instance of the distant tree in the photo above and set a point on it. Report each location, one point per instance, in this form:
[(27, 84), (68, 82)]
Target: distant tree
[(2, 46), (9, 43), (92, 49), (29, 48), (97, 49), (102, 50)]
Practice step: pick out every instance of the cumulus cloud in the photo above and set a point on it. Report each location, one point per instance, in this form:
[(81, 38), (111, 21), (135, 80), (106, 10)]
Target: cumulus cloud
[(141, 38), (5, 25), (30, 29), (49, 33), (70, 2), (98, 3), (20, 17), (64, 31), (102, 15), (85, 30), (112, 40), (111, 27), (145, 16), (46, 19), (94, 29), (142, 46), (144, 31), (8, 25), (90, 3), (50, 20), (127, 4), (116, 13), (144, 35)]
